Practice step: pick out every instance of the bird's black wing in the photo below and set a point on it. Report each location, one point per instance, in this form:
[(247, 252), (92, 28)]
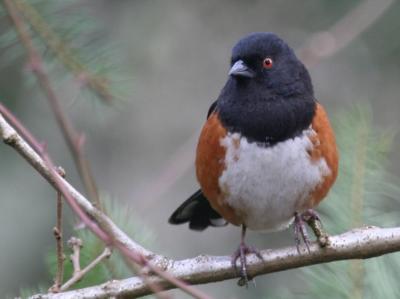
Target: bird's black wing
[(212, 108), (197, 211)]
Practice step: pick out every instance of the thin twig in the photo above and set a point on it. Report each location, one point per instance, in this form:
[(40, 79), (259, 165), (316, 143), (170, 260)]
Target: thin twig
[(37, 146), (78, 273), (73, 139), (58, 183), (58, 234), (76, 245)]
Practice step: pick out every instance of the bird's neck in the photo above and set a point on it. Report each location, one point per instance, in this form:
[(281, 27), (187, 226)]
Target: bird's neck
[(262, 115)]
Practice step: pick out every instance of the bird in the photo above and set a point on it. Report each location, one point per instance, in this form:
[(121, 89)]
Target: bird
[(267, 154)]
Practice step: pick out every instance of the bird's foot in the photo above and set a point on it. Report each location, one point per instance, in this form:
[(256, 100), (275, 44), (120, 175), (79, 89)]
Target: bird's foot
[(314, 221), (240, 254), (310, 217)]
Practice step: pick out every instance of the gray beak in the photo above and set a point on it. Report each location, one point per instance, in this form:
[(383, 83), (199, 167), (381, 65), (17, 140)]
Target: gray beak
[(240, 69)]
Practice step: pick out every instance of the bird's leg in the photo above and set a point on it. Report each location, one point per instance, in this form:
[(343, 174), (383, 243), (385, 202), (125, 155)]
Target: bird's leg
[(314, 221), (300, 232), (240, 254)]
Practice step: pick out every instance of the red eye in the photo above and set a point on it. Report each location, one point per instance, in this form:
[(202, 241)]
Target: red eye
[(267, 63)]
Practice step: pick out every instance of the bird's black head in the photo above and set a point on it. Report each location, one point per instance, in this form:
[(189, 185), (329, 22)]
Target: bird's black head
[(269, 95), (266, 59)]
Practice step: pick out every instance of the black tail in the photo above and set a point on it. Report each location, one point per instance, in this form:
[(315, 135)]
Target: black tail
[(197, 211)]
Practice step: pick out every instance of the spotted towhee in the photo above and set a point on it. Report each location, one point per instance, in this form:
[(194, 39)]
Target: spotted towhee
[(267, 154)]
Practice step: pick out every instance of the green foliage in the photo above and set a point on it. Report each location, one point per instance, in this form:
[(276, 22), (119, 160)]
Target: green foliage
[(73, 42), (362, 196)]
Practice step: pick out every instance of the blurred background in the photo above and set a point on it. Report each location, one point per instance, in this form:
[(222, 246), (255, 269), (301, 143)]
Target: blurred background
[(166, 62)]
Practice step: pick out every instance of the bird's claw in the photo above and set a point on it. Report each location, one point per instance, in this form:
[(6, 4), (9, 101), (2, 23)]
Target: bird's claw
[(240, 254), (312, 218)]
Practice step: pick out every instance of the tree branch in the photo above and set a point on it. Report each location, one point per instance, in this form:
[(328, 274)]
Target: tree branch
[(356, 244)]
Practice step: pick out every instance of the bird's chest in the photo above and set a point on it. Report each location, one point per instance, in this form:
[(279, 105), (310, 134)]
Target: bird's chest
[(264, 185)]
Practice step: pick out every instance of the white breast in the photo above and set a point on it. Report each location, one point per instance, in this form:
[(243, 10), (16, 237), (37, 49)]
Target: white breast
[(267, 185)]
